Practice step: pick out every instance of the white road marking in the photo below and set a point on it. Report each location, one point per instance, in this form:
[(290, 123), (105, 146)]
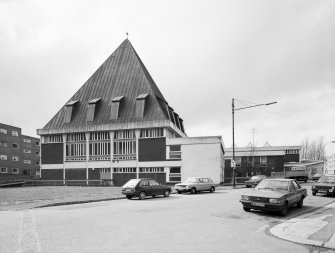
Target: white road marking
[(28, 238)]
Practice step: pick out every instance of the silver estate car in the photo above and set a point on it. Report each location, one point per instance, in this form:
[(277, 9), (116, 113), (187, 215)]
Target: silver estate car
[(195, 184)]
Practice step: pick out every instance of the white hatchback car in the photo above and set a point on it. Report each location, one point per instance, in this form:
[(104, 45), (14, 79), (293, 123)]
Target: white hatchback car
[(195, 184)]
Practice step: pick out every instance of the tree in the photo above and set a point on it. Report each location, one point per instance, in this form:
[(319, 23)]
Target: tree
[(313, 150)]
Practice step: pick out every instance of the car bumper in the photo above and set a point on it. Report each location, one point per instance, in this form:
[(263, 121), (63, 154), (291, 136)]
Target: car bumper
[(132, 193), (182, 189), (324, 191), (262, 206), (250, 184)]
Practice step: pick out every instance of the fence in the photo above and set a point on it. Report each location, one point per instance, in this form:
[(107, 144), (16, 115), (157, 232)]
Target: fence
[(238, 180), (103, 182)]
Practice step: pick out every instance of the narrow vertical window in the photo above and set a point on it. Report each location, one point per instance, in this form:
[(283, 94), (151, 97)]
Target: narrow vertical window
[(115, 107), (140, 106), (92, 104), (68, 110)]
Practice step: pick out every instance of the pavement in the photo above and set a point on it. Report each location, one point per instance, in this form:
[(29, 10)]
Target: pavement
[(316, 228)]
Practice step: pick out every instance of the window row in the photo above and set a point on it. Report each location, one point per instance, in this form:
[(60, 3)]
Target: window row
[(152, 133), (5, 170), (125, 147), (152, 170), (292, 151), (14, 145), (5, 131), (100, 148)]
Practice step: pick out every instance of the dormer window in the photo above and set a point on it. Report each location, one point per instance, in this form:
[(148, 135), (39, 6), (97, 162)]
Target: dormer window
[(176, 116), (68, 110), (171, 113), (140, 106), (91, 109), (115, 107)]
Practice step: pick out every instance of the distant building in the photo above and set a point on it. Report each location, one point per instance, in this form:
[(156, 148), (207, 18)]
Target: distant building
[(330, 165), (311, 166), (119, 126), (19, 154), (252, 160)]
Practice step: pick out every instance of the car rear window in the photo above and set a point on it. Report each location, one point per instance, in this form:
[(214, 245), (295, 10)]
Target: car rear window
[(131, 183)]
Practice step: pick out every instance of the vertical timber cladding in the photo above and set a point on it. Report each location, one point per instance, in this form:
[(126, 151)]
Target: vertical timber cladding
[(120, 179), (152, 149), (52, 153), (75, 174), (52, 174)]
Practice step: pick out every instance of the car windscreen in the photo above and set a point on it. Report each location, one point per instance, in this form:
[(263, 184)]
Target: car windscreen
[(272, 185), (326, 179), (191, 180), (255, 178), (131, 183)]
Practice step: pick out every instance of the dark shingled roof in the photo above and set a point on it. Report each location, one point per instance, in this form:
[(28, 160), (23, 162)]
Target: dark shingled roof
[(122, 74)]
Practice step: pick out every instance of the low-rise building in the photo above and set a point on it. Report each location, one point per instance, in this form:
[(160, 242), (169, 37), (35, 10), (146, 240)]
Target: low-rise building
[(330, 165), (253, 160), (19, 154)]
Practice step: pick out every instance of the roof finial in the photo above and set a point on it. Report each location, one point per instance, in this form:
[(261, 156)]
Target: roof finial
[(127, 34)]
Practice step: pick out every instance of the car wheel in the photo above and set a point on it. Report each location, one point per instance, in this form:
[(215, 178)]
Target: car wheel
[(300, 203), (129, 196), (166, 193), (179, 192), (247, 209), (193, 191), (142, 195), (284, 209), (212, 189), (313, 193)]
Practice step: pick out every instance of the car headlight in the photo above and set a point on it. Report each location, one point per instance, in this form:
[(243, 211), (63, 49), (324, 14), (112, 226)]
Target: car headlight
[(275, 201), (313, 186), (244, 197)]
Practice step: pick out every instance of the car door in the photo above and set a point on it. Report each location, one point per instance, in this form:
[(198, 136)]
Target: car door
[(299, 191), (145, 186), (155, 187), (201, 185), (292, 196), (206, 184)]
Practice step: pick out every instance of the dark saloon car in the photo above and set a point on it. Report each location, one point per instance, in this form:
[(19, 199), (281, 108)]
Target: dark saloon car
[(144, 187), (274, 195), (325, 185), (254, 180)]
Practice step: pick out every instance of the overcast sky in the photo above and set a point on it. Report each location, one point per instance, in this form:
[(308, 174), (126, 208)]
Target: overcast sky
[(201, 54)]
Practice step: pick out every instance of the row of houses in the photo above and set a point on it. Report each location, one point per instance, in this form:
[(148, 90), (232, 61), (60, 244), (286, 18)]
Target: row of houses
[(119, 126)]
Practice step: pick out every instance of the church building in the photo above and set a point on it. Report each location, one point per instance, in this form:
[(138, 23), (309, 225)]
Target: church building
[(119, 126)]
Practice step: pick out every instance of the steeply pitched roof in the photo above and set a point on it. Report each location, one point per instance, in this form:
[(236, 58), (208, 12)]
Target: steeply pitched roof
[(122, 74)]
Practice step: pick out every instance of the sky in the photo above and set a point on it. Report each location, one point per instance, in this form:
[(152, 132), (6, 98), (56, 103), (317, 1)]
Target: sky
[(201, 54)]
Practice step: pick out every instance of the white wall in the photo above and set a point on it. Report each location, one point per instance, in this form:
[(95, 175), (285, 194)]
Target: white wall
[(201, 160)]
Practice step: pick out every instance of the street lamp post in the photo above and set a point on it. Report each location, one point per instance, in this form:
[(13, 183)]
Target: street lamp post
[(233, 112)]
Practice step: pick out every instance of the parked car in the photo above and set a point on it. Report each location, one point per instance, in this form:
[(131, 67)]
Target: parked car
[(144, 187), (316, 177), (325, 185), (254, 180), (195, 184), (274, 195)]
